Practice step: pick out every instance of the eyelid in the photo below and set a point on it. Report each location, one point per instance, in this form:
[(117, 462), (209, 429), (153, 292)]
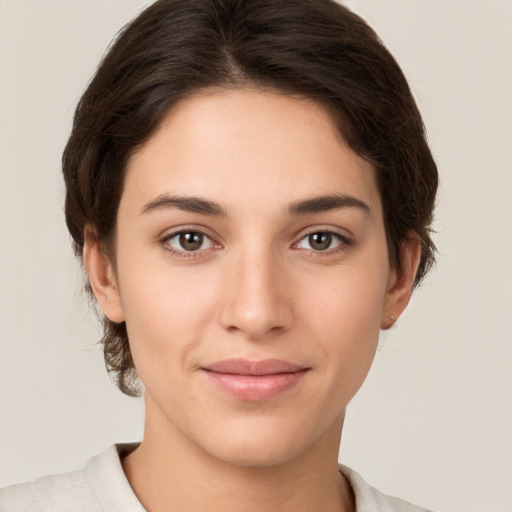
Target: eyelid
[(344, 234), (188, 228)]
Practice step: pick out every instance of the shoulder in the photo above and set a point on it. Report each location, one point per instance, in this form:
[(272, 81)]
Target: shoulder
[(55, 493), (100, 485), (369, 499)]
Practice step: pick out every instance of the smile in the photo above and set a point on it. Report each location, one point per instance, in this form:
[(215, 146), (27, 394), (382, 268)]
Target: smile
[(255, 380)]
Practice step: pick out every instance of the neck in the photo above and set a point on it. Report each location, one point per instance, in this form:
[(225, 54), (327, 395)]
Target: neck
[(169, 472)]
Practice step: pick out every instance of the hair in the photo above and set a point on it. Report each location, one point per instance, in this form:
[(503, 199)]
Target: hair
[(315, 49)]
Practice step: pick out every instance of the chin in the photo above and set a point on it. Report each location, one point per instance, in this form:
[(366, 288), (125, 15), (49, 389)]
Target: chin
[(259, 445), (256, 456)]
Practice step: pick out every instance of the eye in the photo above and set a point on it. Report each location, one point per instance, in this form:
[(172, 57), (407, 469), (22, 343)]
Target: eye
[(321, 241), (189, 241)]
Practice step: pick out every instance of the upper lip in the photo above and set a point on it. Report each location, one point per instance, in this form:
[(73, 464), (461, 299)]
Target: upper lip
[(240, 366)]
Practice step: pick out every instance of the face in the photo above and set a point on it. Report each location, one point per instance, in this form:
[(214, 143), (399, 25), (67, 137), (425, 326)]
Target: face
[(252, 273)]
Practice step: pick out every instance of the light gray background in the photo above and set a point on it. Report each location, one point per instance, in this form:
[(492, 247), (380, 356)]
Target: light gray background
[(433, 422)]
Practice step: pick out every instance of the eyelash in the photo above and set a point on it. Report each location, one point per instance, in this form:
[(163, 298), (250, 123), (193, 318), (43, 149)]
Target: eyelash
[(344, 243)]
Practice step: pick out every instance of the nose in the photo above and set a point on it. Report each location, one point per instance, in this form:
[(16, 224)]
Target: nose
[(257, 299)]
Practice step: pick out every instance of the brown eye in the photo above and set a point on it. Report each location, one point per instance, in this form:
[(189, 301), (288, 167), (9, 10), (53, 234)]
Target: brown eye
[(190, 241), (321, 241)]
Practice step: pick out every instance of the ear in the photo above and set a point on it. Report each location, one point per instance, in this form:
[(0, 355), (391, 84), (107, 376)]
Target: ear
[(401, 282), (102, 278)]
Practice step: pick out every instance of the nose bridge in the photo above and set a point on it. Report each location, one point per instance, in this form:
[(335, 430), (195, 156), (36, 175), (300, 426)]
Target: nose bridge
[(256, 303)]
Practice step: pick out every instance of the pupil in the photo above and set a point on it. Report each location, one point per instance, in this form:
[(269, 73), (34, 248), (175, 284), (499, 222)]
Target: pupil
[(320, 241), (191, 241)]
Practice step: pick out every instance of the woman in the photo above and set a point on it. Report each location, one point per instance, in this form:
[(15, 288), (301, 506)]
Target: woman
[(249, 186)]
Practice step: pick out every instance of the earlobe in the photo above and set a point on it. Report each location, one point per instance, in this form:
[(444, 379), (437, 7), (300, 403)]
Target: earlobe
[(102, 278), (401, 282)]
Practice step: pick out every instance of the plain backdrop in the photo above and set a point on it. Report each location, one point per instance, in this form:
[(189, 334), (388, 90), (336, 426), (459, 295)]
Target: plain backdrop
[(433, 422)]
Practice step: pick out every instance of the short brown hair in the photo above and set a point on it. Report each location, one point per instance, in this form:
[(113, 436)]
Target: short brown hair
[(311, 48)]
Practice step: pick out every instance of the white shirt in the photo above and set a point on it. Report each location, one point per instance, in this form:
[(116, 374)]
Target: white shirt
[(101, 486)]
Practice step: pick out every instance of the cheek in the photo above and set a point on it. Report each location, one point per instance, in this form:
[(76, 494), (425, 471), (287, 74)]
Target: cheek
[(344, 316), (349, 302), (166, 310)]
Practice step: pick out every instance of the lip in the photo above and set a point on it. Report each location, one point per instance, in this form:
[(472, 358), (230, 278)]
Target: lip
[(255, 380)]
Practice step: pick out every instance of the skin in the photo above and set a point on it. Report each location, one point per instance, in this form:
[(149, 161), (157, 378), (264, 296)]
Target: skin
[(257, 288)]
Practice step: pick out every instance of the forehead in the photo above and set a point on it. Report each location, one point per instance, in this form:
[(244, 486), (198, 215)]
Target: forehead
[(248, 147)]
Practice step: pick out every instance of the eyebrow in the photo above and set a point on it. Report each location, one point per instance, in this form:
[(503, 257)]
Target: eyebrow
[(187, 204), (326, 203), (304, 207)]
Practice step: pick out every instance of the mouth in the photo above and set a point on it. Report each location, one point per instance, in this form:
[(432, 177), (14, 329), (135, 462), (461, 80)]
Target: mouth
[(255, 380)]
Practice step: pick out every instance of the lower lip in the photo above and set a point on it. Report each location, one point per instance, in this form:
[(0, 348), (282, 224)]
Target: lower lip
[(256, 388)]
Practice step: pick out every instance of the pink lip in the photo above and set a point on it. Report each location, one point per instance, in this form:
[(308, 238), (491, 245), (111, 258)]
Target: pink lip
[(255, 380)]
